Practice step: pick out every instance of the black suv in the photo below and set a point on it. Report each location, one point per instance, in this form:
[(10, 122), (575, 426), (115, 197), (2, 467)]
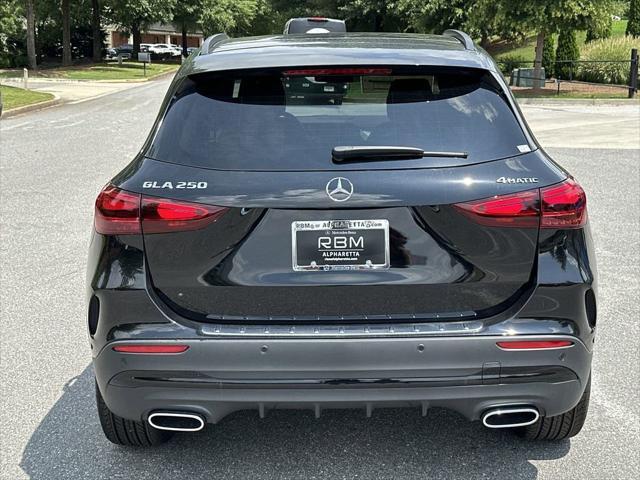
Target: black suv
[(411, 245)]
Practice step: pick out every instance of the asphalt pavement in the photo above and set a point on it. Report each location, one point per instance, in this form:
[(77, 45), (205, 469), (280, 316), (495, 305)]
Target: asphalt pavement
[(52, 165)]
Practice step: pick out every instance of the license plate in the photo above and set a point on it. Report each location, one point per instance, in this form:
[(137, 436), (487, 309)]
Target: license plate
[(340, 245), (329, 88)]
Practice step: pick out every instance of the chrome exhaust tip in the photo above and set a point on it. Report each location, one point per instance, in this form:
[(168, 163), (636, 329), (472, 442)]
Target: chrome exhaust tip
[(510, 417), (176, 421)]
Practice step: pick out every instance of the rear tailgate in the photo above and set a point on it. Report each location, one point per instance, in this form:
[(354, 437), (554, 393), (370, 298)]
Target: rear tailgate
[(441, 263)]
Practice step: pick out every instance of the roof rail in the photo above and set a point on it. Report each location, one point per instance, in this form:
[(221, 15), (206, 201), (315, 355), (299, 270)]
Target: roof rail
[(462, 37), (210, 42)]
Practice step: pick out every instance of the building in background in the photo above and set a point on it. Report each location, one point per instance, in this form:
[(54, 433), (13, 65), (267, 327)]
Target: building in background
[(156, 33)]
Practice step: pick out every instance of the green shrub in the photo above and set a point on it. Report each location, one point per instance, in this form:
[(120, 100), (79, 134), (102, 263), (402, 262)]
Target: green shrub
[(633, 27), (549, 54), (598, 31), (608, 49), (566, 53), (508, 62)]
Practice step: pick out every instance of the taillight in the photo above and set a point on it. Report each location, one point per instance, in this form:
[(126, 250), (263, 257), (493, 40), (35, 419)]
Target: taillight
[(512, 210), (563, 205), (161, 215), (119, 212)]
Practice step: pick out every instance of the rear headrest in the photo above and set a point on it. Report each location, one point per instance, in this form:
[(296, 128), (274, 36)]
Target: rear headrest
[(407, 90), (266, 90)]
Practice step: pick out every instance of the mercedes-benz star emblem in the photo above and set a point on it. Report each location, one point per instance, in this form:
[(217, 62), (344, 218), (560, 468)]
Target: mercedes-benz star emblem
[(339, 189)]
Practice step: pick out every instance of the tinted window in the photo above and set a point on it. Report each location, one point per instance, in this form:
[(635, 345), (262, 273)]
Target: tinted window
[(292, 120)]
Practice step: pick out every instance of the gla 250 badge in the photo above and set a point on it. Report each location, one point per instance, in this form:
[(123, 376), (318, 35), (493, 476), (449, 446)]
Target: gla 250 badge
[(175, 185)]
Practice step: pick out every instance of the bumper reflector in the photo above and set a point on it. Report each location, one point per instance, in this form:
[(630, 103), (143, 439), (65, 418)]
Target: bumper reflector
[(146, 349), (533, 345)]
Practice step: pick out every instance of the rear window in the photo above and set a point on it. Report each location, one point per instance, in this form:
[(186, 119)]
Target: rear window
[(292, 119)]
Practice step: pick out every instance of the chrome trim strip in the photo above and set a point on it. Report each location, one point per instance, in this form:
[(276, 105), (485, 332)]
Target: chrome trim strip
[(341, 331), (507, 411), (179, 415)]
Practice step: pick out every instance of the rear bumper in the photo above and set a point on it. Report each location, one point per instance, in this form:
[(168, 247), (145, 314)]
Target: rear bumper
[(468, 374)]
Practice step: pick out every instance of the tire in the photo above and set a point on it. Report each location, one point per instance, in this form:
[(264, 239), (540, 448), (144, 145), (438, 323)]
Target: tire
[(562, 426), (130, 433)]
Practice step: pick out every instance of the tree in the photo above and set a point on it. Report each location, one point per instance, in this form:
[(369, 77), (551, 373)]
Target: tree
[(435, 16), (549, 55), (11, 34), (231, 16), (66, 34), (598, 31), (133, 16), (374, 15), (567, 53), (96, 30), (31, 35), (186, 16), (633, 26), (546, 16), (271, 15)]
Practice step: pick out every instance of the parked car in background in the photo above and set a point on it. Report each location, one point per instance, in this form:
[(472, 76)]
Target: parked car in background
[(175, 50), (110, 53), (144, 47), (190, 50), (125, 51), (161, 50), (314, 25)]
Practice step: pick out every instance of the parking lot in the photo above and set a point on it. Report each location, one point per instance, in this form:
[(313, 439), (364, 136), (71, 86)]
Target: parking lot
[(53, 164)]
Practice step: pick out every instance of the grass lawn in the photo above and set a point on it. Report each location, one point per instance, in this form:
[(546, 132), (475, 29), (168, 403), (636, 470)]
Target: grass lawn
[(113, 71), (100, 71), (528, 47), (17, 97)]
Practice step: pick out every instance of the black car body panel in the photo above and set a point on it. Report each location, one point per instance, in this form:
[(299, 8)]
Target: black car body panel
[(431, 257), (262, 330)]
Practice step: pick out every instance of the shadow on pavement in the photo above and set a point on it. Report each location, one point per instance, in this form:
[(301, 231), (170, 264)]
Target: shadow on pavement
[(400, 443)]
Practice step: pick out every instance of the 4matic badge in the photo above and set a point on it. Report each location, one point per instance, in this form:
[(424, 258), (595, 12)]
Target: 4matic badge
[(517, 180)]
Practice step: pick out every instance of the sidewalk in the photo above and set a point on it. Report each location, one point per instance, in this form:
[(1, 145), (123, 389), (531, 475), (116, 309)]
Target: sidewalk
[(72, 91)]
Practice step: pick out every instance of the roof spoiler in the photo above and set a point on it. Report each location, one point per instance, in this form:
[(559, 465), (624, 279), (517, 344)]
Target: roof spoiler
[(462, 37), (211, 42)]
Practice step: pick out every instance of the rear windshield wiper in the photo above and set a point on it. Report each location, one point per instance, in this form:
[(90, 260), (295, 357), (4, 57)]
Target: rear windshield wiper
[(371, 153)]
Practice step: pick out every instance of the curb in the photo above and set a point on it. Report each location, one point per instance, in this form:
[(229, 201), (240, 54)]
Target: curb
[(577, 101), (30, 108)]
